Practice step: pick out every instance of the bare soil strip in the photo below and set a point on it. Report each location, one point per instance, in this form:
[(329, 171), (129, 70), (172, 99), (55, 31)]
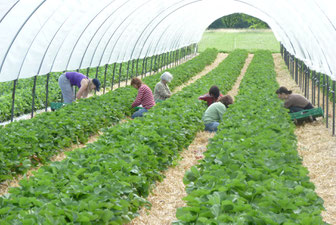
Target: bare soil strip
[(167, 196), (6, 185), (317, 148)]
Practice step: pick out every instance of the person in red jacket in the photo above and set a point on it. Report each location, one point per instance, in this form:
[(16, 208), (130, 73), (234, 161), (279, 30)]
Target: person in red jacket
[(212, 96), (145, 97)]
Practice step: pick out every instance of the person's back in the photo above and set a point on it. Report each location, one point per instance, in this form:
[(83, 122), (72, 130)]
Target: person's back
[(296, 100), (75, 78), (214, 113), (161, 92)]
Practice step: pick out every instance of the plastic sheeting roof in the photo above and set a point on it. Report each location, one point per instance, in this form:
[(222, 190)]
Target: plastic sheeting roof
[(42, 36)]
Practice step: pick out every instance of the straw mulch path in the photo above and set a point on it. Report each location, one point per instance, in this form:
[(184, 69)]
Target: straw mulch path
[(207, 69), (317, 148), (4, 186), (167, 196)]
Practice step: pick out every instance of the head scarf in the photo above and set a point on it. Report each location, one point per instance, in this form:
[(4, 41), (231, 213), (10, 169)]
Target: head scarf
[(166, 76)]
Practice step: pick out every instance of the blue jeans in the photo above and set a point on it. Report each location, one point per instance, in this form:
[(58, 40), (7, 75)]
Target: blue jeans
[(212, 127), (139, 113)]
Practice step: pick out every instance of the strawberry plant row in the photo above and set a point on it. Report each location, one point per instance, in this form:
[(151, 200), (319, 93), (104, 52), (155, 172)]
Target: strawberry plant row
[(23, 94), (107, 182), (25, 143), (251, 173)]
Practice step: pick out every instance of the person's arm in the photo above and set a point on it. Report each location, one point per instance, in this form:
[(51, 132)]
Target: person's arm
[(82, 92), (138, 98), (204, 97)]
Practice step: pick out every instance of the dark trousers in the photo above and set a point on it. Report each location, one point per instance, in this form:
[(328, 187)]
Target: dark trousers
[(297, 109)]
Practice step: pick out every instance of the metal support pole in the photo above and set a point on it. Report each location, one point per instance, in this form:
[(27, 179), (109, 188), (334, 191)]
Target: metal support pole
[(47, 92), (305, 79), (300, 74), (97, 68), (296, 71), (127, 71), (120, 75), (318, 89), (163, 61), (87, 71), (281, 50), (13, 99), (132, 69), (333, 91), (136, 68), (143, 67), (327, 103), (308, 80), (178, 56), (171, 55), (33, 96), (146, 64), (158, 63), (169, 59), (113, 73), (151, 64), (323, 91), (313, 87), (289, 65), (105, 73)]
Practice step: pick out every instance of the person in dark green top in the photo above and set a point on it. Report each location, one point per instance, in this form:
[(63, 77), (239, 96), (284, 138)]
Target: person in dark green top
[(214, 113)]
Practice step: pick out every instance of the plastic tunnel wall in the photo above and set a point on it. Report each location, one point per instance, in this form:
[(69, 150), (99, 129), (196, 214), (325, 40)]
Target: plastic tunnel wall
[(42, 36)]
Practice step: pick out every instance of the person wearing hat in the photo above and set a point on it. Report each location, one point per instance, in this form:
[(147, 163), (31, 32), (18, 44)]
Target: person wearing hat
[(293, 102), (161, 91), (69, 79)]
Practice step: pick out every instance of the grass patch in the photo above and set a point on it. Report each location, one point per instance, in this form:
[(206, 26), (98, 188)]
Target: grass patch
[(228, 40)]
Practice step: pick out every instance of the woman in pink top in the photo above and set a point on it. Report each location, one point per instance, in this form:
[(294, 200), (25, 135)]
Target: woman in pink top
[(145, 97)]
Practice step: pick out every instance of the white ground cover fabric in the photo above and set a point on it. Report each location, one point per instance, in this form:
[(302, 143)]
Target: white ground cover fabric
[(42, 36)]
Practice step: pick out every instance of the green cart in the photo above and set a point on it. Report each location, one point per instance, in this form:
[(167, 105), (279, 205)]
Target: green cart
[(307, 114)]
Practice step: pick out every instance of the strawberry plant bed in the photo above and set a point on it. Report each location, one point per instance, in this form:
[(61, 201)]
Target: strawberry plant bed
[(251, 173), (47, 133), (107, 182)]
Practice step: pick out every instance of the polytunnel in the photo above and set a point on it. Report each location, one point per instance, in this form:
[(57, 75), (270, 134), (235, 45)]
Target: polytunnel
[(98, 160), (38, 37), (41, 37)]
